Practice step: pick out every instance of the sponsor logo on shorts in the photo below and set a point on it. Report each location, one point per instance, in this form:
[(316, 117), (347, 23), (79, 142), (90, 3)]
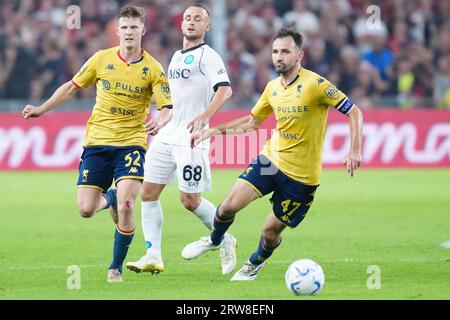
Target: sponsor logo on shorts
[(133, 170)]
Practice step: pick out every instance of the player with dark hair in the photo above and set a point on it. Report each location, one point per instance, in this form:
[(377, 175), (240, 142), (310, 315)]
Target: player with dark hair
[(289, 164), (126, 78)]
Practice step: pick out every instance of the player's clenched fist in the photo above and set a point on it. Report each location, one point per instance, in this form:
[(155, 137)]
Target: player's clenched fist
[(31, 111)]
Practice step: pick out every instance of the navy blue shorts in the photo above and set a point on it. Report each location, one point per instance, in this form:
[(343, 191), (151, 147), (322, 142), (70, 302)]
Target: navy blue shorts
[(99, 166), (291, 199)]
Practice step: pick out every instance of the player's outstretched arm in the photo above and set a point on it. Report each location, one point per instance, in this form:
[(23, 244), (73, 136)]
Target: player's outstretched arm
[(61, 95), (220, 97), (353, 160), (237, 126)]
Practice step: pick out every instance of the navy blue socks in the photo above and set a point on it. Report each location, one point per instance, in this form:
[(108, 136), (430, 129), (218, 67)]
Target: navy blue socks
[(262, 253)]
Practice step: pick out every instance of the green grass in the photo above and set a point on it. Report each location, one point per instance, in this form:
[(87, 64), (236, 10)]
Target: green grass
[(395, 219)]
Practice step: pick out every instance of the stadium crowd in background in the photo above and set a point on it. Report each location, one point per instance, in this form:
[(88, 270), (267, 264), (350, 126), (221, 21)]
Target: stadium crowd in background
[(404, 61)]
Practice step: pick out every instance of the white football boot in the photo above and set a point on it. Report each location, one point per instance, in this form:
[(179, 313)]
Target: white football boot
[(228, 253), (248, 272), (148, 263), (197, 248)]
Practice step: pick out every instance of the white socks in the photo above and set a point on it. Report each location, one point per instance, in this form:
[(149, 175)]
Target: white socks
[(152, 220), (205, 212)]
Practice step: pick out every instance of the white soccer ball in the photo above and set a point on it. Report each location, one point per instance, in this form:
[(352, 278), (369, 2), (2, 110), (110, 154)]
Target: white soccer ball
[(305, 277)]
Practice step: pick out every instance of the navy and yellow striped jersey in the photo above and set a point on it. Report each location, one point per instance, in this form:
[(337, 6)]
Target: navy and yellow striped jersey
[(301, 110), (124, 92)]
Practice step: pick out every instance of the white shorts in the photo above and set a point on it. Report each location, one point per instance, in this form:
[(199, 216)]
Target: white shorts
[(191, 166)]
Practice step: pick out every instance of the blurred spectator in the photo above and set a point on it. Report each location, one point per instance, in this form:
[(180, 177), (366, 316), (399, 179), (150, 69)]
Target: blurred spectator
[(19, 68), (245, 96), (399, 37), (442, 44), (315, 57), (302, 18), (442, 83), (349, 56), (379, 56), (402, 60)]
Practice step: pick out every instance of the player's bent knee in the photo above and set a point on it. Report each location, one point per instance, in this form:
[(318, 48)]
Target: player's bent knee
[(190, 203), (149, 196), (229, 206), (86, 212)]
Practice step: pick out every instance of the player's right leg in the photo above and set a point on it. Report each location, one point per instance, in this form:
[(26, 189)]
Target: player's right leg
[(159, 170), (152, 219), (194, 177), (95, 176)]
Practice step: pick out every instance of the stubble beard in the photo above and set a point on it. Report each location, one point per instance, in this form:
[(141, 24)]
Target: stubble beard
[(282, 70), (192, 37)]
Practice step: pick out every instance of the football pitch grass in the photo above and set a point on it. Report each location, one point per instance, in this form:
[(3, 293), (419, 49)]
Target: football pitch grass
[(391, 221)]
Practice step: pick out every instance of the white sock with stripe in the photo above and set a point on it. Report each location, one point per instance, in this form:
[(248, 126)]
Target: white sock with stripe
[(152, 220)]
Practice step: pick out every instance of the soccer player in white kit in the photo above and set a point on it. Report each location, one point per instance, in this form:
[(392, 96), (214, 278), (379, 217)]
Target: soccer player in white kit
[(200, 86)]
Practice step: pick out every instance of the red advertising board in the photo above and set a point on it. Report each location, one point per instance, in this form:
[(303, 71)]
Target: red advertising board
[(391, 138)]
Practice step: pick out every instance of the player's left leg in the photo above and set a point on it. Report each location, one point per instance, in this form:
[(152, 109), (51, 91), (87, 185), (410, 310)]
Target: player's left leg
[(202, 208), (194, 177), (127, 193), (128, 174), (239, 197), (291, 201), (269, 241), (205, 211)]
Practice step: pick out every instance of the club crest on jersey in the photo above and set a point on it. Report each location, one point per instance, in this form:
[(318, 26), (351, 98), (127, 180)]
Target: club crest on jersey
[(144, 71), (189, 59), (299, 88), (332, 92), (165, 89)]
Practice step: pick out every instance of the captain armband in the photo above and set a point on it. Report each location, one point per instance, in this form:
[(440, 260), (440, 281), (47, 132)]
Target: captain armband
[(345, 106)]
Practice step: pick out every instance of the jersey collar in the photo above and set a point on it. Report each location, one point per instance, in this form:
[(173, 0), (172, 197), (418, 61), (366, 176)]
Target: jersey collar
[(295, 79), (193, 48), (132, 62)]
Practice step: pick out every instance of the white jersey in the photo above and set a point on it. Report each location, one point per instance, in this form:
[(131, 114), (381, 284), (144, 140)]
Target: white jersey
[(194, 76)]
